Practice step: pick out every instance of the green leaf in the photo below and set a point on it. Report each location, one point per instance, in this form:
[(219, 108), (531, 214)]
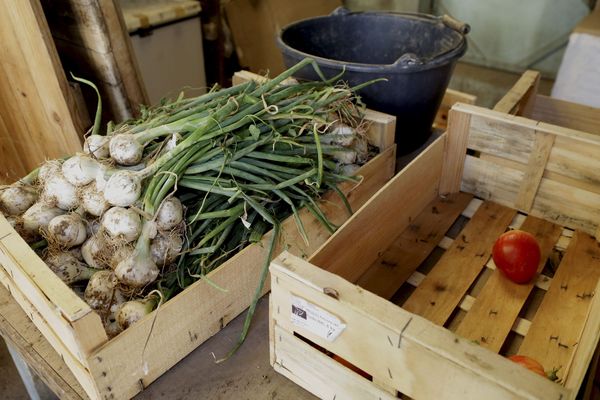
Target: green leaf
[(254, 131)]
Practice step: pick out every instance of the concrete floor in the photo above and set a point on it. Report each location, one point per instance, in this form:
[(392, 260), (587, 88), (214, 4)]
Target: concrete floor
[(248, 375), (11, 387)]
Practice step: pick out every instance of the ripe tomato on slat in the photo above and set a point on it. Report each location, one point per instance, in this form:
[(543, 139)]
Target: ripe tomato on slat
[(517, 254)]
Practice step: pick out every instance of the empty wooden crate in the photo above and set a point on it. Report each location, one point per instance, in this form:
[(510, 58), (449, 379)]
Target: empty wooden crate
[(404, 299)]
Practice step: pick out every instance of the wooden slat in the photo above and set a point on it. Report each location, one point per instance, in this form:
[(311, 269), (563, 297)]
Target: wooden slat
[(535, 170), (413, 245), (415, 187), (502, 137), (125, 365), (561, 203), (321, 375), (588, 341), (559, 321), (521, 98), (497, 306), (35, 99), (450, 98), (567, 114), (382, 130), (441, 291), (57, 340), (569, 157), (59, 305), (22, 260), (19, 331), (454, 154), (405, 351)]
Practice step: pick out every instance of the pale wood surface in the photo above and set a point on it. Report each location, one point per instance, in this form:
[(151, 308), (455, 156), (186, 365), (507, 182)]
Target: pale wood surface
[(320, 374), (567, 114), (446, 284), (535, 170), (17, 329), (567, 205), (450, 98), (558, 323), (37, 108), (521, 97), (497, 306), (418, 185), (61, 343), (454, 152), (48, 295), (400, 349), (412, 246)]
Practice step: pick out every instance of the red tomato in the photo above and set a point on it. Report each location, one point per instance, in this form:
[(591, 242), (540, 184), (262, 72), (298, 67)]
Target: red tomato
[(529, 363), (517, 254)]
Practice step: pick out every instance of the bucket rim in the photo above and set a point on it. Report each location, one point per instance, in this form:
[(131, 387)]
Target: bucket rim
[(445, 58)]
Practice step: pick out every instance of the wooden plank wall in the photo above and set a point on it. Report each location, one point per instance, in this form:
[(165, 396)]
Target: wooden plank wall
[(38, 110), (93, 43)]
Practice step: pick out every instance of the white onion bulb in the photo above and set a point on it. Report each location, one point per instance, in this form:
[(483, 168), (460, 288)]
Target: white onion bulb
[(68, 268), (92, 200), (166, 248), (123, 188), (58, 191), (96, 145), (48, 169), (81, 170), (132, 311), (125, 149), (67, 230), (170, 214), (16, 199), (122, 223), (38, 216), (100, 290)]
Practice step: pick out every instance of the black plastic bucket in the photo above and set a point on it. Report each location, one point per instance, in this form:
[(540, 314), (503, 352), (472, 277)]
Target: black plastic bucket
[(416, 53)]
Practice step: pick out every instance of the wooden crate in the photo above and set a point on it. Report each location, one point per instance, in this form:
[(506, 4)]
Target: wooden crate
[(406, 296), (121, 367)]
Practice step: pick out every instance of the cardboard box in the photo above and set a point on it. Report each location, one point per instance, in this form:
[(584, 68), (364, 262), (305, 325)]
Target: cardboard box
[(255, 25)]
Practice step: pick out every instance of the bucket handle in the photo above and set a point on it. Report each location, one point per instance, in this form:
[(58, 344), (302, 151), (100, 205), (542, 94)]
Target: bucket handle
[(455, 24)]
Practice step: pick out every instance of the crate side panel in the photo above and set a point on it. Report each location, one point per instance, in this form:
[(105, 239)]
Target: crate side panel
[(567, 114), (26, 260), (502, 138), (450, 98), (18, 331), (55, 339), (576, 160), (557, 326), (555, 201), (200, 311), (397, 348), (316, 372), (52, 315), (382, 218)]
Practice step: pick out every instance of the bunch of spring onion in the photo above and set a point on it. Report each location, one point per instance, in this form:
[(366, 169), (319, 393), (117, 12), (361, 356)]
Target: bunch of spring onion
[(156, 203)]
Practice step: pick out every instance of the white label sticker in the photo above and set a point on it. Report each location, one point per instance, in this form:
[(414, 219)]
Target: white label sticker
[(316, 320)]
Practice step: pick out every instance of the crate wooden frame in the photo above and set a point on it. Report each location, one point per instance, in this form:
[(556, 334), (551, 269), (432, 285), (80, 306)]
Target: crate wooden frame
[(519, 166), (121, 367)]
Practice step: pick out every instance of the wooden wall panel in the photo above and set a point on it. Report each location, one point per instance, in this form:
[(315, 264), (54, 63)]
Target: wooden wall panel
[(38, 118)]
